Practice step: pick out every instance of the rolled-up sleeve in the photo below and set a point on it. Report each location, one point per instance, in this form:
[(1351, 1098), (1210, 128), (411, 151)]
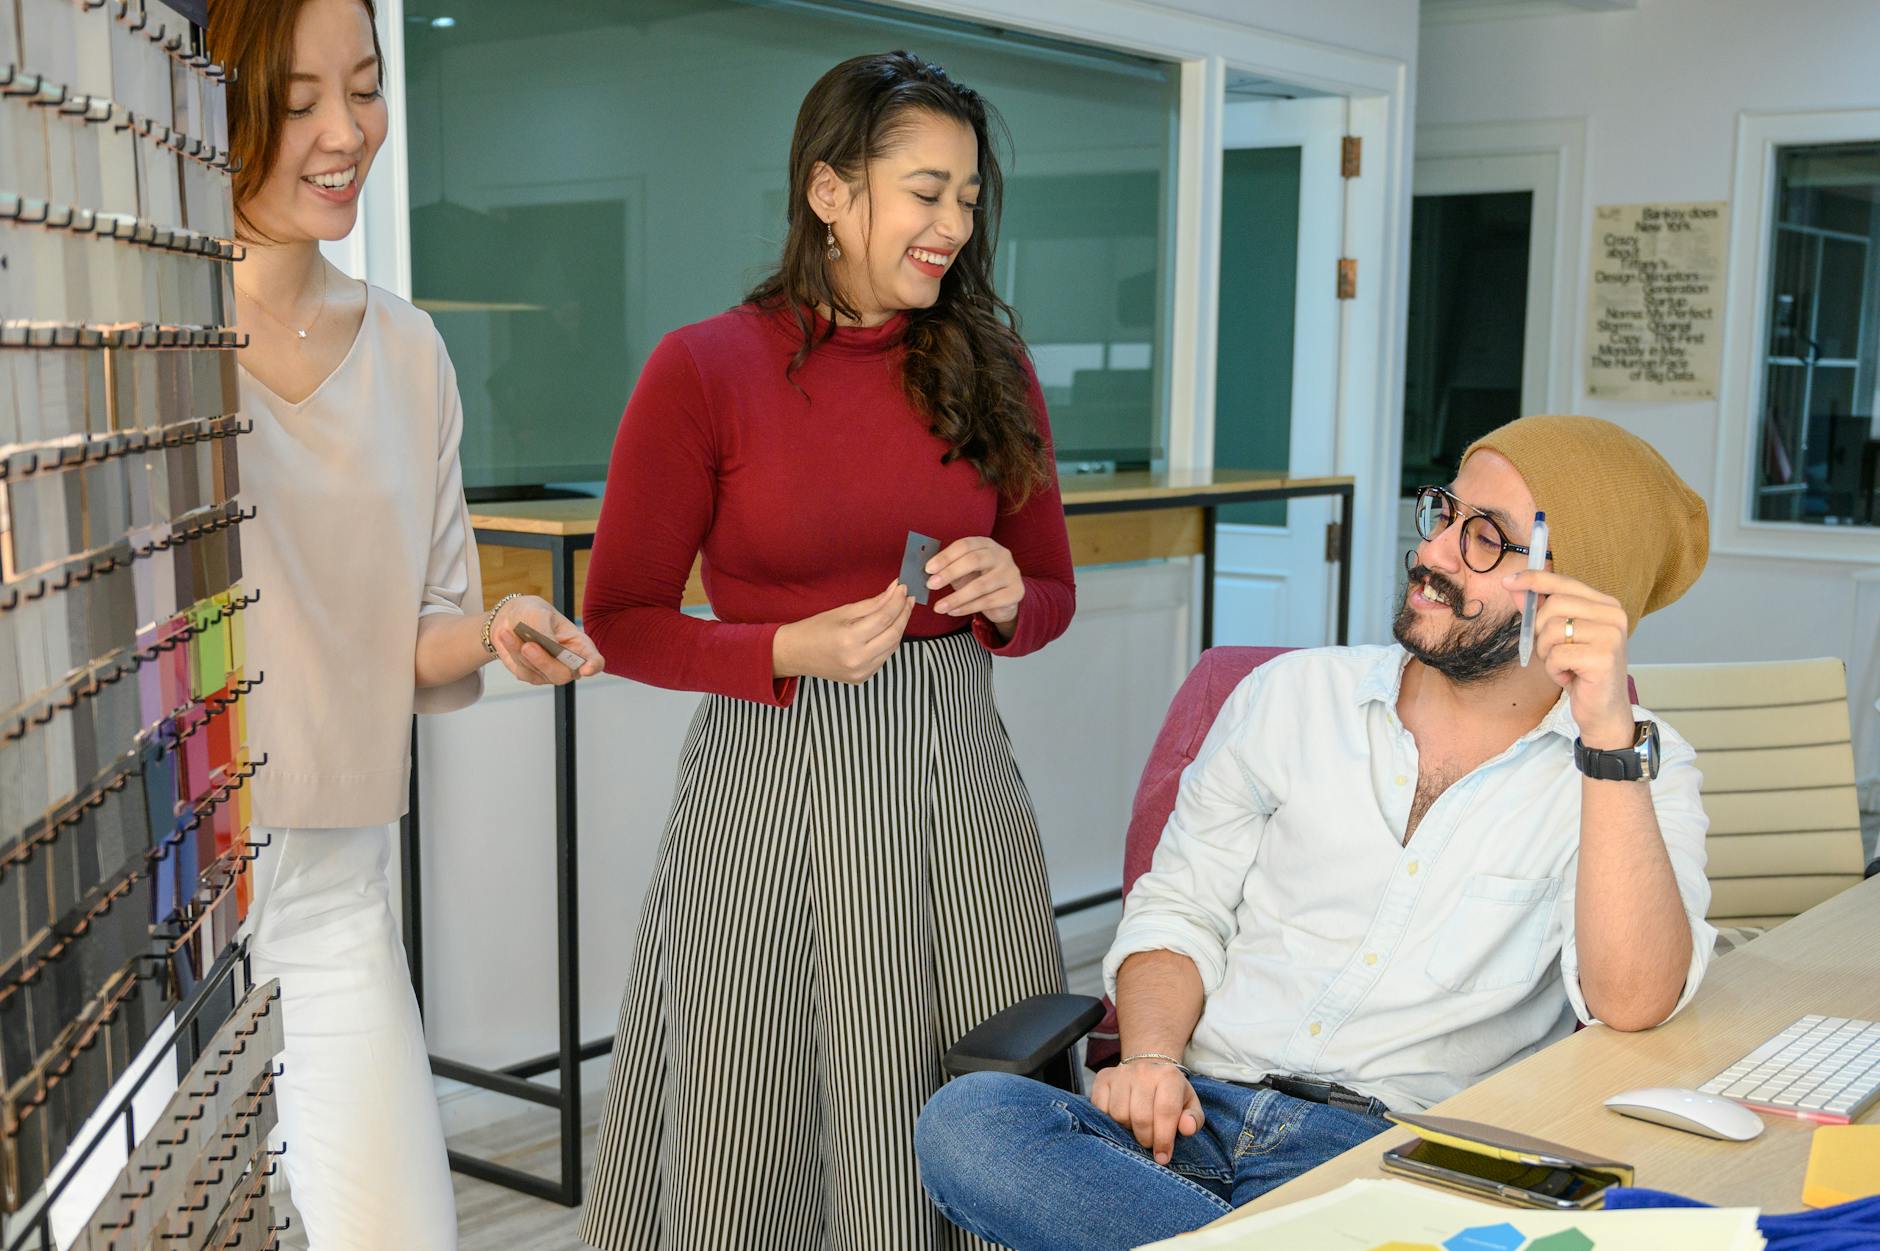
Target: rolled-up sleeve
[(1683, 825), (453, 583), (1189, 899)]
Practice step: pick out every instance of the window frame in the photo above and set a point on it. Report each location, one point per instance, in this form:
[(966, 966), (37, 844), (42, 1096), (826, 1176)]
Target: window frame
[(1735, 531)]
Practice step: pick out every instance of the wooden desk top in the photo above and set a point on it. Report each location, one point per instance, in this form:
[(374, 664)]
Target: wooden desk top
[(1825, 961), (579, 516), (1130, 486), (563, 517)]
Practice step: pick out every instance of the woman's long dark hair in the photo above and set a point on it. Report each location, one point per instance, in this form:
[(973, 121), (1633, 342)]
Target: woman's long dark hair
[(964, 366)]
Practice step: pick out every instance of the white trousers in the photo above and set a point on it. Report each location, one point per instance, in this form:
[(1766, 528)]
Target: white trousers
[(365, 1145)]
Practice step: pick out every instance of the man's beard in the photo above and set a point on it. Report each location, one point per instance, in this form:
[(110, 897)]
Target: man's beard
[(1473, 650)]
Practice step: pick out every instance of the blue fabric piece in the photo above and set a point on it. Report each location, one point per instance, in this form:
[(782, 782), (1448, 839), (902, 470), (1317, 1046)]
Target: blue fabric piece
[(1845, 1227), (1502, 1237)]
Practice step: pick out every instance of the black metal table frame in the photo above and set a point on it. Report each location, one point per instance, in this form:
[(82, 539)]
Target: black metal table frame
[(565, 1061), (515, 1080)]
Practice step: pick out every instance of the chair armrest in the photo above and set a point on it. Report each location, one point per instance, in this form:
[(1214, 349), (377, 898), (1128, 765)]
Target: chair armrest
[(1024, 1037)]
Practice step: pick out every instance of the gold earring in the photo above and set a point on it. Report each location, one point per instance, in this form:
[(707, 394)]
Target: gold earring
[(832, 251)]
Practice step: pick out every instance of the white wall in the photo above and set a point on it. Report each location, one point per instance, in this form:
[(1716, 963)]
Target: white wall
[(1661, 88), (1385, 28)]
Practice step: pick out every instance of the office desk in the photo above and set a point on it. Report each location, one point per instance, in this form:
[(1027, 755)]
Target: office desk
[(1827, 960)]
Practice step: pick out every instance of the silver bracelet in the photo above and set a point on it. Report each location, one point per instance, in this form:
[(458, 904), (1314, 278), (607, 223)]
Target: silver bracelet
[(489, 620), (1154, 1055)]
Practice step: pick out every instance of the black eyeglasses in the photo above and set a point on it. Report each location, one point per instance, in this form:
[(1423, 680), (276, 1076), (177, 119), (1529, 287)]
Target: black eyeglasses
[(1482, 541)]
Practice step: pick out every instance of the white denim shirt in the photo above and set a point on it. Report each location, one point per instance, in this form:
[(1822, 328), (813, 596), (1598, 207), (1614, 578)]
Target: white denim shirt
[(1330, 949)]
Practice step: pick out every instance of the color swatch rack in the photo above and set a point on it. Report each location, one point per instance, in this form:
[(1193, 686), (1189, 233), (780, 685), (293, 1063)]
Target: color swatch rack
[(124, 756)]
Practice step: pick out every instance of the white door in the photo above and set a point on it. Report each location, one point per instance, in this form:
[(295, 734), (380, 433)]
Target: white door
[(1544, 370), (1273, 585)]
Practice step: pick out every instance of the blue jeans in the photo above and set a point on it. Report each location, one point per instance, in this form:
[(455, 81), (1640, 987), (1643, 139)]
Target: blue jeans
[(1036, 1168)]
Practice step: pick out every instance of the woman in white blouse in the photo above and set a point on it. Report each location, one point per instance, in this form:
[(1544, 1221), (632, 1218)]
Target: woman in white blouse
[(370, 608)]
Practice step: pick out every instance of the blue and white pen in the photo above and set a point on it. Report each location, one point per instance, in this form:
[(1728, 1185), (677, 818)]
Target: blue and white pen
[(1537, 559)]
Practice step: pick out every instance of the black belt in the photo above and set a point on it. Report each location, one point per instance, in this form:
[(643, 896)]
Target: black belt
[(1314, 1091)]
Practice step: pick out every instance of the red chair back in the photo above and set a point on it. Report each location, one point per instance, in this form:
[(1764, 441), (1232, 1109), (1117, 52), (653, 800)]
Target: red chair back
[(1190, 715)]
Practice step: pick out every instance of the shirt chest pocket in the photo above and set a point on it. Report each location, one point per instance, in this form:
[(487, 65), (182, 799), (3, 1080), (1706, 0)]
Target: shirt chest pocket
[(1493, 936)]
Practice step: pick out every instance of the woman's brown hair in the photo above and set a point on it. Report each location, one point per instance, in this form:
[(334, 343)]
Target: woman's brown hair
[(255, 38), (964, 368)]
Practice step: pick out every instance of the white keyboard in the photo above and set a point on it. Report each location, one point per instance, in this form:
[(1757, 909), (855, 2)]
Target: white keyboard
[(1822, 1068)]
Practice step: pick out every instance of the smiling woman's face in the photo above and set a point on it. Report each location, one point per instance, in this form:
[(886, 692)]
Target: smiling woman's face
[(901, 235), (335, 125)]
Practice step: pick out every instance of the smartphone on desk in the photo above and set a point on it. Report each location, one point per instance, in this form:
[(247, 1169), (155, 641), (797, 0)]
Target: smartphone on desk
[(529, 634), (1551, 1187)]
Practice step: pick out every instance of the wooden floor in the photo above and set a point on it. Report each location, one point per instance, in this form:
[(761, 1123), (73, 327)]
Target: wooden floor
[(492, 1218)]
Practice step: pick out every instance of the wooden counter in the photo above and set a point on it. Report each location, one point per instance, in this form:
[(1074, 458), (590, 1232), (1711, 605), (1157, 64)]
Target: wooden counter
[(1111, 518)]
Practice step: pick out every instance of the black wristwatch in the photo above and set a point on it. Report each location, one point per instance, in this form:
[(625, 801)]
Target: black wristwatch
[(1637, 762)]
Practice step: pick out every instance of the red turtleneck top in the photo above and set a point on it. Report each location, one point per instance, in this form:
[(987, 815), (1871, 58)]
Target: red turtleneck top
[(800, 501)]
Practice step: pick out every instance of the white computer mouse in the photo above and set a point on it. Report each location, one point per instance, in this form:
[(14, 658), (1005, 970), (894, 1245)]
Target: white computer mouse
[(1713, 1116)]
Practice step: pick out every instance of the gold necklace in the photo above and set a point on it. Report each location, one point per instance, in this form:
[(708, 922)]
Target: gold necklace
[(300, 335)]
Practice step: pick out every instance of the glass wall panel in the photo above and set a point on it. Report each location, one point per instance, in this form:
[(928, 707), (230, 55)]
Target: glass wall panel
[(1466, 326), (1259, 288), (589, 174), (1818, 442)]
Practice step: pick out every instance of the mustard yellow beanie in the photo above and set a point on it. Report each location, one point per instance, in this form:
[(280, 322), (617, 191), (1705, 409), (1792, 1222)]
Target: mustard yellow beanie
[(1618, 517)]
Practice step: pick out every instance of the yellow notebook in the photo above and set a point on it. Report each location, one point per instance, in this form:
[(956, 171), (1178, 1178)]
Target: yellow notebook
[(1843, 1165), (1506, 1144)]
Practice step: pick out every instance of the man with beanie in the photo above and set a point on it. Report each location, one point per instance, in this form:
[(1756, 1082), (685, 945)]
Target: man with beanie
[(1390, 870)]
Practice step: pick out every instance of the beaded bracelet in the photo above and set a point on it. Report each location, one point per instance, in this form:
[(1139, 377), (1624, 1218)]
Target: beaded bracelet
[(489, 620)]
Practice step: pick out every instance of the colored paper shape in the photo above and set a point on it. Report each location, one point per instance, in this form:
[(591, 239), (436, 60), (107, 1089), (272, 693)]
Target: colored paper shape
[(160, 783), (1405, 1246), (1502, 1237), (218, 642), (224, 821), (245, 802), (163, 899), (238, 715), (1565, 1240), (209, 647), (221, 745), (176, 669), (238, 640), (199, 775), (244, 878), (149, 683), (188, 865)]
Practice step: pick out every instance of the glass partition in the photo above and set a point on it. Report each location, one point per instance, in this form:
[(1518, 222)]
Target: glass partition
[(1818, 454), (589, 174)]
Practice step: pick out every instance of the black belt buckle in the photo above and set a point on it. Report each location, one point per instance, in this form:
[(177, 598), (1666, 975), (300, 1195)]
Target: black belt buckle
[(1314, 1091)]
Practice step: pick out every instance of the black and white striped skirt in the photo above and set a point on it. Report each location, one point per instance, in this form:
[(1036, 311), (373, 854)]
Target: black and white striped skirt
[(845, 887)]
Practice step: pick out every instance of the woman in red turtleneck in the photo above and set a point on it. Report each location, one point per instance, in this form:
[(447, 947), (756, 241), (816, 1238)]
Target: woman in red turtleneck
[(851, 877)]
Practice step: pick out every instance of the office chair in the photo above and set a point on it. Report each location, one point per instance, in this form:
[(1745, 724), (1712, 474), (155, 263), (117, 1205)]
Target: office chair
[(1773, 743)]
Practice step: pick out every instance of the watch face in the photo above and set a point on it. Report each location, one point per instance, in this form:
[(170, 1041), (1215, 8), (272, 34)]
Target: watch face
[(1647, 748)]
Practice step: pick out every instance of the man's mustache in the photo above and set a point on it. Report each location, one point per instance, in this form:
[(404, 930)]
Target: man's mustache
[(1443, 586)]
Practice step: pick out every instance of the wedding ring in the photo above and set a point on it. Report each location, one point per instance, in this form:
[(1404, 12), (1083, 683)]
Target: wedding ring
[(1569, 629)]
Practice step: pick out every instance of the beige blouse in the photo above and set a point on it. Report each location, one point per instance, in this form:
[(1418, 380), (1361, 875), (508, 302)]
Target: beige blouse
[(360, 529)]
